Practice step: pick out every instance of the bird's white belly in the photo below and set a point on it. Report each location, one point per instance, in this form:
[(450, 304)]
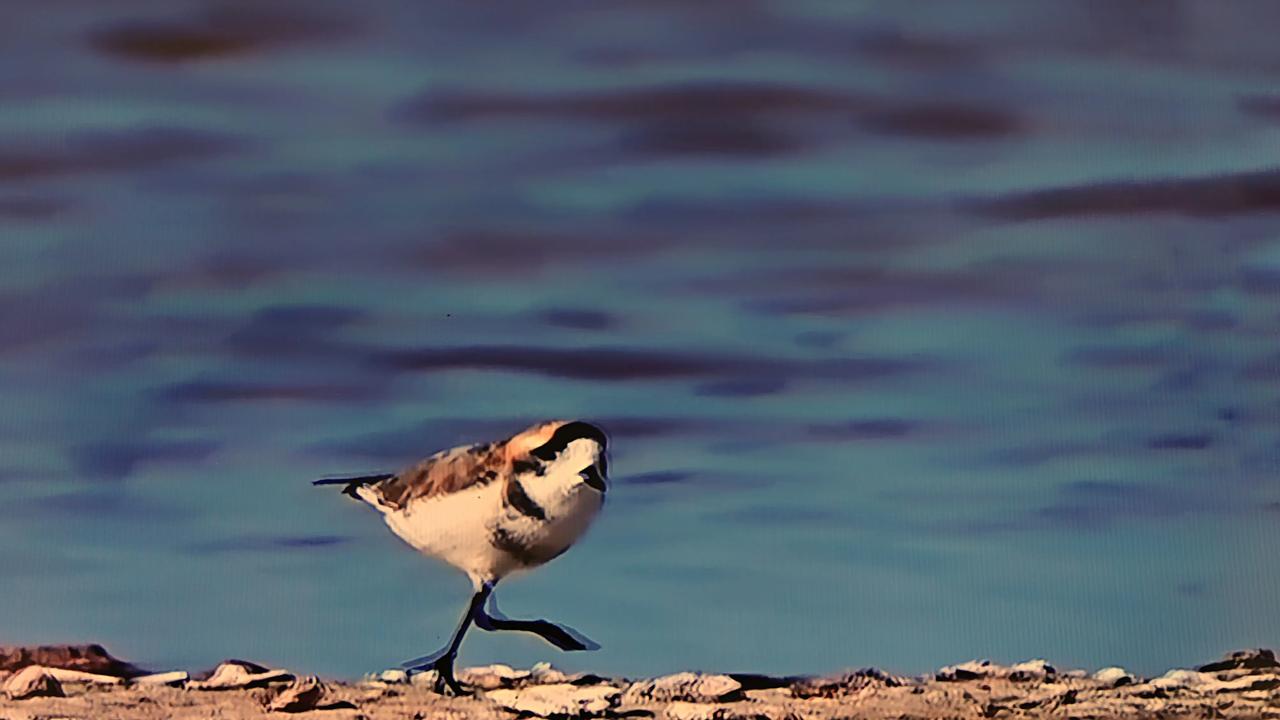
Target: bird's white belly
[(473, 531), (452, 527)]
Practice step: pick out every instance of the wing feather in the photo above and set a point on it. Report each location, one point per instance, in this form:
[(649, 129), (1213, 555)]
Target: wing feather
[(445, 472)]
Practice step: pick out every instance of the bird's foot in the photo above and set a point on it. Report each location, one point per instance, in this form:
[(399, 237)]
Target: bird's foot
[(445, 682), (561, 636), (563, 639)]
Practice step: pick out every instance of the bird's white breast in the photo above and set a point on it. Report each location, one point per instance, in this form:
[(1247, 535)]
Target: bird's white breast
[(474, 530), (569, 506)]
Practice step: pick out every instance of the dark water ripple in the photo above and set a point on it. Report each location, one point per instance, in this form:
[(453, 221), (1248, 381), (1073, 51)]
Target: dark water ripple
[(944, 121), (737, 102), (209, 391), (115, 460), (266, 544), (216, 32), (1263, 106), (658, 477), (98, 151), (578, 319), (1225, 194), (32, 208), (622, 364)]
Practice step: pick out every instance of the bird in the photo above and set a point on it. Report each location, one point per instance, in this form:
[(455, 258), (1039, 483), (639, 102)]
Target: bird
[(492, 509)]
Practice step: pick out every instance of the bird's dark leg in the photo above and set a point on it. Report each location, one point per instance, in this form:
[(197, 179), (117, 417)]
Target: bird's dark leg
[(562, 637), (442, 660)]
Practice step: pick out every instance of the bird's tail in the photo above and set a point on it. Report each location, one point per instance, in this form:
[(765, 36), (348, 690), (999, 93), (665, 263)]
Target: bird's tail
[(352, 483)]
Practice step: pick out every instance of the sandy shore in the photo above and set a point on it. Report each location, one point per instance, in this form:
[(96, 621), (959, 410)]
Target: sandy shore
[(1242, 685)]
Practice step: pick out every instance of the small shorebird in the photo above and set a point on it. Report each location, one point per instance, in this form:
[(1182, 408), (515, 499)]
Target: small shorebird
[(492, 509)]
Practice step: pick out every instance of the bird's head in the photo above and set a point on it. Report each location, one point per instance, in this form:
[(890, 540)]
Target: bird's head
[(561, 447)]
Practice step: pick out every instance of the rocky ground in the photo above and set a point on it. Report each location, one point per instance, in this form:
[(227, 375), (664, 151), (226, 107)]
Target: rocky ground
[(85, 682)]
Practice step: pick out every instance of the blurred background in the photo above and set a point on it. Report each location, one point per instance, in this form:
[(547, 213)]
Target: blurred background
[(924, 331)]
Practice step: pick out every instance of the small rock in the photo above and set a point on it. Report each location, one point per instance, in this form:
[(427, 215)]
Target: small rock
[(492, 677), (86, 658), (708, 711), (1248, 683), (236, 674), (1180, 679), (1260, 659), (303, 695), (685, 687), (31, 682), (426, 678), (503, 671), (77, 676), (1113, 676), (843, 685), (249, 667), (1153, 693), (177, 677), (544, 674), (392, 676), (972, 670), (760, 681), (1030, 671), (562, 699)]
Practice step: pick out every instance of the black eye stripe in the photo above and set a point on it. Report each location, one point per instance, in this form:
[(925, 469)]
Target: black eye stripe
[(566, 434)]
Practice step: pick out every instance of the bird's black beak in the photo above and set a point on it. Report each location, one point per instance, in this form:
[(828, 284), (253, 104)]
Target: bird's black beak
[(593, 478)]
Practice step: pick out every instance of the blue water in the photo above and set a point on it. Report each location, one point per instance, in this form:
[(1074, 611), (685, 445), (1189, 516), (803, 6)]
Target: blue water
[(923, 331)]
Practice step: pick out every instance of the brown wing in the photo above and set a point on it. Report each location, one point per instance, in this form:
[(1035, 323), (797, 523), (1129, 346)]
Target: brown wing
[(445, 472), (461, 467)]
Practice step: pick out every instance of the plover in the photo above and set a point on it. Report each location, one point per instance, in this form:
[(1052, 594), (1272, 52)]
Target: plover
[(492, 509)]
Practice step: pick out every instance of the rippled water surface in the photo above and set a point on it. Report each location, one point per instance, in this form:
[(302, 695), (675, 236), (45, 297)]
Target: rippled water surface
[(923, 331)]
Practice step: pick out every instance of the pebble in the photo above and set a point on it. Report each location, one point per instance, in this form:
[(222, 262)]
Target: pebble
[(1114, 676), (177, 677), (843, 685), (426, 678), (543, 673), (1180, 679), (972, 670), (86, 658), (31, 682), (79, 676), (235, 674), (1031, 670), (1248, 683), (492, 677), (709, 711), (1028, 671), (562, 699), (1259, 659), (393, 676), (303, 695), (685, 687)]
